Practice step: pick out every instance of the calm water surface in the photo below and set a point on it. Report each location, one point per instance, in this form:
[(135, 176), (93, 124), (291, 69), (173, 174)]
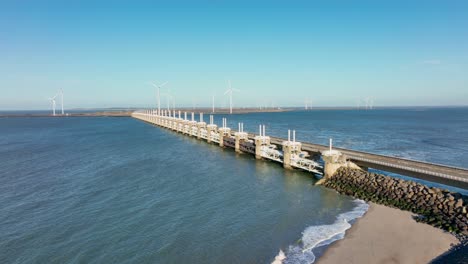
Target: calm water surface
[(106, 190)]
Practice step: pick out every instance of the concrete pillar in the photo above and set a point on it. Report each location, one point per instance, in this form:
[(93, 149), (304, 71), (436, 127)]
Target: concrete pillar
[(290, 149), (200, 126), (239, 136), (192, 124), (333, 161), (221, 140), (238, 140), (186, 123), (287, 156), (180, 125), (260, 141), (223, 132), (209, 129)]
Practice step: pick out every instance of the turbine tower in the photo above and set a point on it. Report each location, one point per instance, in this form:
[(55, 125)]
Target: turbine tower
[(308, 104), (158, 94), (169, 99), (212, 104), (173, 103), (61, 95), (229, 91)]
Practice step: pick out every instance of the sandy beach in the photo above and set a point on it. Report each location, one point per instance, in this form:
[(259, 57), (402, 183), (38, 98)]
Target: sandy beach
[(388, 235)]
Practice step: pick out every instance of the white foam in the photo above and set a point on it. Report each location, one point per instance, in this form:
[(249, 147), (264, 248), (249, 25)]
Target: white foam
[(321, 235), (279, 258)]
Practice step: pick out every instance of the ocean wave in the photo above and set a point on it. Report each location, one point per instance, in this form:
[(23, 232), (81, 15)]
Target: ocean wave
[(320, 235)]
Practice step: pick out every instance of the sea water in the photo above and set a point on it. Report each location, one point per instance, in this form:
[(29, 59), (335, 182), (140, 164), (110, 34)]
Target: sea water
[(105, 190)]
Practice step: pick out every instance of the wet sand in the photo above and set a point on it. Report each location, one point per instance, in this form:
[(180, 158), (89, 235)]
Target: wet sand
[(388, 235)]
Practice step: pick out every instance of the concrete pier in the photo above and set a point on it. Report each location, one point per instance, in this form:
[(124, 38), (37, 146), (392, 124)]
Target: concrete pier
[(290, 150), (333, 161), (240, 136), (211, 130), (224, 132), (261, 142)]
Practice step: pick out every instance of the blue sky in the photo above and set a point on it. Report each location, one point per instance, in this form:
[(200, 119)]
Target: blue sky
[(333, 52)]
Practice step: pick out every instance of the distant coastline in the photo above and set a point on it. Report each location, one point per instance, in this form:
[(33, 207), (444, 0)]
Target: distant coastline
[(126, 112), (86, 114)]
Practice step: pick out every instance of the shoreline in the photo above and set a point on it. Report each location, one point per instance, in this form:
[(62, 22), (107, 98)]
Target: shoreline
[(389, 235)]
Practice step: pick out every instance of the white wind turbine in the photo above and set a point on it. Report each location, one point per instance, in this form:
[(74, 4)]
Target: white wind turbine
[(158, 94), (308, 104), (52, 100), (229, 91), (169, 99), (173, 103), (369, 103)]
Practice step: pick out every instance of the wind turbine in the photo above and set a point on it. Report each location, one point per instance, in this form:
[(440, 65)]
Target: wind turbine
[(212, 103), (158, 94), (169, 98), (369, 103), (61, 95), (229, 91), (52, 100), (366, 103), (173, 103), (308, 104)]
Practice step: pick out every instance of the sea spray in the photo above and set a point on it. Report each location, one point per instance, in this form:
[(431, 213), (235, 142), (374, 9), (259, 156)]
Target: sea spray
[(321, 235)]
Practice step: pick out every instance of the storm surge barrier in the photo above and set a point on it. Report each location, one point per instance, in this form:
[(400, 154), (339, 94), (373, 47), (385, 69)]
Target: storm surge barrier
[(296, 155)]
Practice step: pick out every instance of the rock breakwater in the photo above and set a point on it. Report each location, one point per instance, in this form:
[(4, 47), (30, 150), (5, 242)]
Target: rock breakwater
[(438, 207)]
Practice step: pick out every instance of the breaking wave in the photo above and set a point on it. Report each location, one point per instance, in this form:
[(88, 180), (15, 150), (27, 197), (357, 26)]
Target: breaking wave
[(320, 235)]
